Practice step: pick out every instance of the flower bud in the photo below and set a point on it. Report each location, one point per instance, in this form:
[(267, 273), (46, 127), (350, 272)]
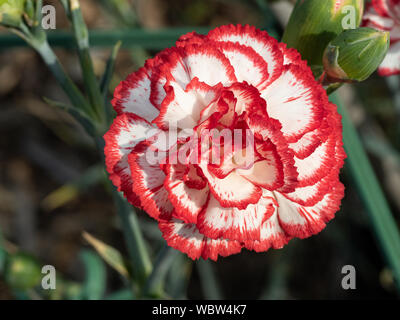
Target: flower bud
[(355, 54), (11, 12), (314, 23), (22, 271)]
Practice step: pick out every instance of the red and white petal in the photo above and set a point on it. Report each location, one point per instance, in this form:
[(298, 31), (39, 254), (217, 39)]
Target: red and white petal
[(187, 202), (395, 34), (291, 55), (181, 108), (248, 65), (149, 185), (268, 131), (271, 235), (312, 194), (217, 222), (383, 7), (314, 167), (307, 144), (187, 239), (133, 95), (260, 41), (391, 64), (124, 134), (305, 221), (208, 64), (267, 173), (190, 38), (374, 19), (183, 236), (194, 178), (220, 247), (233, 190), (296, 100)]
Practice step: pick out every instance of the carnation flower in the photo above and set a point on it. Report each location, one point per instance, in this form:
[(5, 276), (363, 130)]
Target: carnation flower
[(228, 142), (385, 15)]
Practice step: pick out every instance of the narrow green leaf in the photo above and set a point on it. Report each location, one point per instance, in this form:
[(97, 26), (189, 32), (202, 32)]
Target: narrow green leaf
[(178, 277), (124, 294), (82, 40), (3, 253), (382, 220), (95, 279), (76, 113), (110, 255), (209, 282), (154, 286), (106, 79), (69, 191), (135, 242)]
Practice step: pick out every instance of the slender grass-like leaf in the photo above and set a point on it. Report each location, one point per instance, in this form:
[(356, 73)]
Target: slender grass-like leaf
[(124, 294), (61, 196), (110, 255), (140, 260), (131, 38), (95, 275), (154, 286), (82, 41), (209, 282), (382, 220)]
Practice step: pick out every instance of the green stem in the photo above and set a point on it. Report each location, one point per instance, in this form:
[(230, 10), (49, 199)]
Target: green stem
[(140, 259), (384, 224), (52, 62), (209, 281), (154, 285), (82, 40)]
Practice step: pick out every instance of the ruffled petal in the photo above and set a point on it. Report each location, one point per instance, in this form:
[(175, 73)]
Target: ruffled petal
[(248, 65), (268, 131), (133, 95), (181, 108), (304, 221), (216, 222), (263, 44), (149, 184), (125, 133), (391, 64), (299, 106), (375, 19), (187, 239), (187, 202), (271, 235), (233, 190)]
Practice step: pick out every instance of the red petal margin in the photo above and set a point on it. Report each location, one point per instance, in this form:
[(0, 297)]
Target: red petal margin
[(149, 184), (296, 100), (249, 66), (271, 236), (382, 7), (260, 41), (190, 38), (216, 222), (376, 20), (187, 239), (301, 221), (268, 130), (133, 95), (183, 107), (291, 56), (125, 133), (391, 64), (187, 202)]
